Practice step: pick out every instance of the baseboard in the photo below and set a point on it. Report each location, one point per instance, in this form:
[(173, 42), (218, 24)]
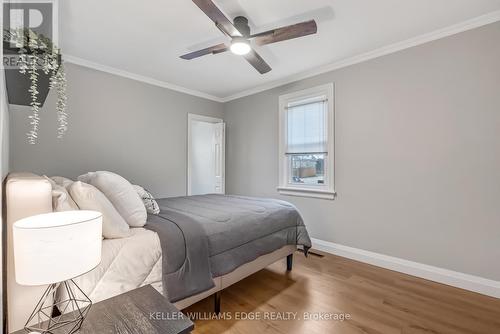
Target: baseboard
[(449, 277)]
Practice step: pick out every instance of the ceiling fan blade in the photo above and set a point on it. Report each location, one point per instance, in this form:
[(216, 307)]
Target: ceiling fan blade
[(256, 61), (215, 14), (210, 50), (285, 33)]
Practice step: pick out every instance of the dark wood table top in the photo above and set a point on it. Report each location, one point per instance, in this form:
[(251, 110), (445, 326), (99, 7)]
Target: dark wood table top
[(140, 311)]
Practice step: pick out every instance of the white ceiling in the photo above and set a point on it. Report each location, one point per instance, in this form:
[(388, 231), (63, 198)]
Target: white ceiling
[(146, 38)]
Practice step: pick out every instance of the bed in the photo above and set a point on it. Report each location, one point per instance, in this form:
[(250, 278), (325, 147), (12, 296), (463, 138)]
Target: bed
[(230, 230)]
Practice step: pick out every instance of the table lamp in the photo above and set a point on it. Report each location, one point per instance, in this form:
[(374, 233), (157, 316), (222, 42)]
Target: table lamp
[(52, 249)]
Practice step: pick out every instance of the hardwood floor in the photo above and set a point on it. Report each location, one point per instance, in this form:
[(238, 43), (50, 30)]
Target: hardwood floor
[(377, 301)]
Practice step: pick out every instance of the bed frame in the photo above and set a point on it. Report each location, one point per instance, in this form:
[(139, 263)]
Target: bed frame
[(29, 194)]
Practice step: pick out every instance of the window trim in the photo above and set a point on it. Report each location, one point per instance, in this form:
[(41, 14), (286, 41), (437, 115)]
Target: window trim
[(326, 191)]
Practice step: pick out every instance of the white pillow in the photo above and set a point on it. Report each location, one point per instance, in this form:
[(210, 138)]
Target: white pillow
[(121, 193), (148, 200), (61, 200), (89, 197), (62, 181)]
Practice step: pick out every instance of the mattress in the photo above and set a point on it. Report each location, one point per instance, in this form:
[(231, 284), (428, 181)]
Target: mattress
[(201, 237), (126, 264), (232, 221), (209, 236)]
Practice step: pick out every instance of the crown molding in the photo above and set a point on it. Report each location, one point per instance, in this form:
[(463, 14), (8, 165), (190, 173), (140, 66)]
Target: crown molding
[(383, 51), (129, 75)]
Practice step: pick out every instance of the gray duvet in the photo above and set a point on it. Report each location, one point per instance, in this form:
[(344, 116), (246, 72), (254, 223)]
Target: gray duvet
[(211, 235)]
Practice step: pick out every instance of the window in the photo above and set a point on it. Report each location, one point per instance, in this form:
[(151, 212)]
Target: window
[(307, 143)]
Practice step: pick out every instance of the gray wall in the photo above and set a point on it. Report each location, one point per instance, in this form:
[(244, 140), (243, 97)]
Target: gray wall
[(417, 148), (417, 154), (117, 124)]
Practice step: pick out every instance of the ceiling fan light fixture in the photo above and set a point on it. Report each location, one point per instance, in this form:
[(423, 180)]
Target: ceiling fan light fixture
[(240, 46)]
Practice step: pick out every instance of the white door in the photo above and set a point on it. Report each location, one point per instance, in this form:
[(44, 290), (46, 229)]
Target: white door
[(206, 155), (219, 141)]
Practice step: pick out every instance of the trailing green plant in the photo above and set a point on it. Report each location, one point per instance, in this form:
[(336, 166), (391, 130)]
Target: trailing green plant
[(37, 52)]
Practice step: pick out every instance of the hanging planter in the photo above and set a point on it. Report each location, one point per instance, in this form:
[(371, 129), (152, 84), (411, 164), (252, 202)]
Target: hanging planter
[(38, 69)]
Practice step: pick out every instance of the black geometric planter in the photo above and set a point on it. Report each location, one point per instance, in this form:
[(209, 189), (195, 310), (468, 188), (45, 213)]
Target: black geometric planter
[(18, 84)]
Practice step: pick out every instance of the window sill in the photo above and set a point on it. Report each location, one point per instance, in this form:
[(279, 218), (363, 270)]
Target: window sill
[(305, 192)]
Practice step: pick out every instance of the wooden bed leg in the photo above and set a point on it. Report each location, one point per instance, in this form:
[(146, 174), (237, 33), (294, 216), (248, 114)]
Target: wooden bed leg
[(217, 302), (289, 262)]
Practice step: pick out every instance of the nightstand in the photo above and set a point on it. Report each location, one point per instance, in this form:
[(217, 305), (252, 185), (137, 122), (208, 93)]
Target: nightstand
[(143, 310)]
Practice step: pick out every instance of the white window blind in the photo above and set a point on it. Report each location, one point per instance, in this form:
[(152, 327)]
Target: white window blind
[(306, 143), (307, 127)]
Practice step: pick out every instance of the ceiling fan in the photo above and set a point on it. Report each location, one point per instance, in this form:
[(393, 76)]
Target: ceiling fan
[(242, 40)]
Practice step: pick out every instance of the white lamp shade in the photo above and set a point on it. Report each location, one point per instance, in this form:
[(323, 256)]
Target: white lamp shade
[(55, 247)]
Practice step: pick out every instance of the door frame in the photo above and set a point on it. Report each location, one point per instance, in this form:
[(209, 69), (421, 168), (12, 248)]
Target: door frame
[(208, 119)]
